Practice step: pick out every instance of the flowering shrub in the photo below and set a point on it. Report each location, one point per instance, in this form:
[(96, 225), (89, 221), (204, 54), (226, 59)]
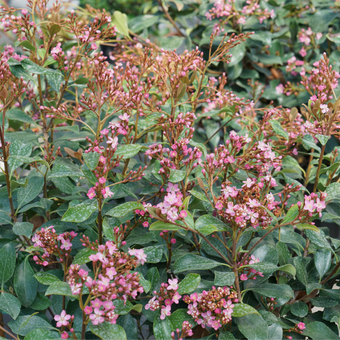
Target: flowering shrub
[(147, 198)]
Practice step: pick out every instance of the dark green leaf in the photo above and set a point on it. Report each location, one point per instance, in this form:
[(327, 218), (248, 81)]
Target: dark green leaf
[(300, 264), (82, 257), (193, 262), (128, 150), (25, 284), (32, 190), (18, 115), (7, 260), (46, 278), (319, 331), (299, 309), (91, 159), (18, 149), (25, 324), (23, 228), (107, 331), (242, 309), (162, 329), (224, 278), (323, 261), (253, 327)]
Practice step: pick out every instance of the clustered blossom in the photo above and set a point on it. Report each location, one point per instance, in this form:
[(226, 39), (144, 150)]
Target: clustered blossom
[(65, 320), (249, 273), (113, 279), (321, 81), (244, 207), (211, 308), (172, 205), (52, 244), (226, 9), (184, 332), (164, 299), (297, 329), (314, 204), (294, 67), (306, 36)]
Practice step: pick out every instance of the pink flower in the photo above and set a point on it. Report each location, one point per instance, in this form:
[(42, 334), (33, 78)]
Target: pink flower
[(243, 277), (62, 319), (102, 180), (183, 214), (97, 317), (91, 193), (64, 335), (106, 192), (96, 303), (145, 224), (172, 284), (88, 310), (94, 46), (279, 88), (139, 253), (301, 326), (176, 298)]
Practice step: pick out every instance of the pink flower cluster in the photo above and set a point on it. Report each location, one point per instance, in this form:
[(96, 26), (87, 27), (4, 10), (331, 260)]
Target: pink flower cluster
[(172, 203), (165, 298), (292, 65), (52, 244), (225, 8), (313, 203), (249, 273), (101, 311), (211, 308), (305, 36), (184, 332), (242, 207)]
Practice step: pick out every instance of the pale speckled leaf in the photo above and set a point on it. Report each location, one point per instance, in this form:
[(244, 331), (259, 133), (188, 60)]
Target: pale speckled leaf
[(19, 149), (189, 283), (224, 278), (60, 288), (80, 212), (128, 150), (32, 190), (123, 209), (193, 262), (10, 304), (242, 309), (23, 228), (162, 329), (107, 331)]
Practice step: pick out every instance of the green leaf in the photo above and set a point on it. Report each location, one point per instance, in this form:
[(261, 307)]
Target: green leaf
[(32, 67), (333, 191), (318, 239), (242, 309), (26, 44), (237, 54), (319, 331), (121, 22), (129, 324), (41, 334), (289, 269), (107, 331), (323, 261), (160, 225), (269, 59), (154, 254), (140, 22), (309, 143), (54, 78), (171, 43), (46, 278), (144, 283), (264, 267), (10, 304), (176, 175), (122, 307), (178, 317), (299, 309), (253, 327), (153, 276), (7, 260), (224, 278), (292, 214), (209, 220), (200, 195), (322, 139), (82, 257), (18, 149), (123, 209), (300, 264), (225, 335), (60, 288), (64, 184), (41, 302), (274, 290), (80, 212), (275, 331), (189, 283), (26, 324), (25, 284), (23, 228), (278, 129), (162, 329), (128, 150), (303, 226), (32, 190), (91, 159), (20, 116), (193, 262)]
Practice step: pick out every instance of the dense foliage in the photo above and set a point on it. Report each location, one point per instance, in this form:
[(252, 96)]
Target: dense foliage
[(157, 195)]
